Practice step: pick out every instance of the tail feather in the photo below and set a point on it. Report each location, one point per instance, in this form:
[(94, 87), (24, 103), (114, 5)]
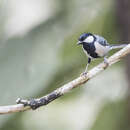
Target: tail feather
[(117, 46)]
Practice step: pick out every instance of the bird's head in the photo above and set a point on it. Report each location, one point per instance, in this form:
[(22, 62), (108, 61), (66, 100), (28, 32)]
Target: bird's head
[(86, 38)]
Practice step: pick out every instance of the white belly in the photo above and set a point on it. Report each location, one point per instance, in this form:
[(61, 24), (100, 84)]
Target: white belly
[(101, 50)]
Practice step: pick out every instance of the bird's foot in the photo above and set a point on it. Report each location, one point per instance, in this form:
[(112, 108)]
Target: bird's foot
[(84, 73), (106, 63)]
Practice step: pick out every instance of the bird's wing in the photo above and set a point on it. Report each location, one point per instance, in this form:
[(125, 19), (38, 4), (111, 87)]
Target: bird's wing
[(101, 40)]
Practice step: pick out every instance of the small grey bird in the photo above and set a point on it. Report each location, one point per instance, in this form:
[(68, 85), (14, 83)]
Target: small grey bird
[(96, 46)]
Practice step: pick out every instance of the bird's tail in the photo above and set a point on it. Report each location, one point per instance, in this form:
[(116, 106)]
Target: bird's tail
[(117, 46)]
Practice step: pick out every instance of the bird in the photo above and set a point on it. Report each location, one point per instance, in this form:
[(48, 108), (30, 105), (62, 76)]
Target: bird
[(95, 46)]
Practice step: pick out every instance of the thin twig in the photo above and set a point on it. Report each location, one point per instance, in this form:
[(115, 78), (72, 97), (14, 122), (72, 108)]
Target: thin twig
[(35, 103)]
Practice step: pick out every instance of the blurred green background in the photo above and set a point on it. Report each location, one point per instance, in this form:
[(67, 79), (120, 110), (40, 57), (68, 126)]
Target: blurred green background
[(38, 53)]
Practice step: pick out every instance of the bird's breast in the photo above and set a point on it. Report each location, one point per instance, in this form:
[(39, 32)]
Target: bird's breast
[(90, 49)]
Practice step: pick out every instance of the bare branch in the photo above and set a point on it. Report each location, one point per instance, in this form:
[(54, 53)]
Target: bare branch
[(35, 103)]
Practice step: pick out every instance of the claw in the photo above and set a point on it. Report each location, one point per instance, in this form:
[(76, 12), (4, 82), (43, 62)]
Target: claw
[(83, 74), (106, 62)]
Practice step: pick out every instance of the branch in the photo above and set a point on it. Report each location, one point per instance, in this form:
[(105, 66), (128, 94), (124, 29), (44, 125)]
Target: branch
[(23, 105)]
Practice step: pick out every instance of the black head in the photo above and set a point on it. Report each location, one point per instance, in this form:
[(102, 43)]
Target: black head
[(86, 38)]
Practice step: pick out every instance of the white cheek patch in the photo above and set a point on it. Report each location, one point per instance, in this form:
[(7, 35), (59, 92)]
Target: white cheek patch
[(89, 39)]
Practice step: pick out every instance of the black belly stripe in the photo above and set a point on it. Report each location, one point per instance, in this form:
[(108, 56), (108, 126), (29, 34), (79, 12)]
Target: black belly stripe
[(90, 48)]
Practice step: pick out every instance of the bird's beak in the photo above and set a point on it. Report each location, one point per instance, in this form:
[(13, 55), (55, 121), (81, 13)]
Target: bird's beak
[(79, 42)]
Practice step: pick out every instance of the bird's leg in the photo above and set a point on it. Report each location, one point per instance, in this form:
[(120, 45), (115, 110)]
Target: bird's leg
[(86, 69), (106, 62)]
